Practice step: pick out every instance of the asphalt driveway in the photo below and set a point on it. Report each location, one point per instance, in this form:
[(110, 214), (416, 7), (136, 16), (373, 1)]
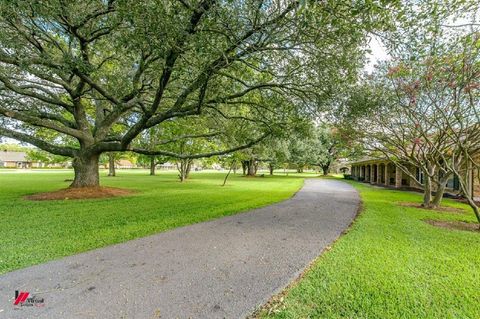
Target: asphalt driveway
[(224, 268)]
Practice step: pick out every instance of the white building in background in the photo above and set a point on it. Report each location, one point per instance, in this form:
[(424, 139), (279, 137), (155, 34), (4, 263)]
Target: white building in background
[(167, 166), (11, 159)]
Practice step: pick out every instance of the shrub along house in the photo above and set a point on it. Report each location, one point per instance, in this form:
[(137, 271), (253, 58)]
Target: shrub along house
[(384, 172)]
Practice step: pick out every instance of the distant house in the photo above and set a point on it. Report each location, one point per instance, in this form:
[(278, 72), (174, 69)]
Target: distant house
[(121, 164), (124, 163), (167, 166), (14, 159)]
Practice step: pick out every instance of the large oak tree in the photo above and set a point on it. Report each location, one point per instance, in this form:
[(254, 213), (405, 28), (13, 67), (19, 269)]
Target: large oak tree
[(80, 78)]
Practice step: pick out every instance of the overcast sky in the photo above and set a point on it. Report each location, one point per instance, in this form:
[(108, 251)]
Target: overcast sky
[(379, 53)]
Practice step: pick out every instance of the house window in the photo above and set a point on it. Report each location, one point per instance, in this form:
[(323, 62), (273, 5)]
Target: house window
[(453, 183), (456, 183)]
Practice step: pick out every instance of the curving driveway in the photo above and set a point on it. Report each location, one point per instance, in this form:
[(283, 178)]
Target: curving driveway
[(223, 268)]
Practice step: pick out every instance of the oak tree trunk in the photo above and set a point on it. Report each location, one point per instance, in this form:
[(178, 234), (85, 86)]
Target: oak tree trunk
[(86, 171), (184, 167), (111, 164), (182, 176), (188, 168), (152, 166), (271, 168), (326, 169), (251, 167), (244, 167)]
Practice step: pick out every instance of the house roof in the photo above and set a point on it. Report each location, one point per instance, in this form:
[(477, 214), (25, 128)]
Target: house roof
[(8, 156)]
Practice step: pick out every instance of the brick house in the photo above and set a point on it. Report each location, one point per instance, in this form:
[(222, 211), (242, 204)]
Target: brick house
[(384, 172)]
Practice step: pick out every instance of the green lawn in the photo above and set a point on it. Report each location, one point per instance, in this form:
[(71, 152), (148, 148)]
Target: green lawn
[(391, 265), (35, 232)]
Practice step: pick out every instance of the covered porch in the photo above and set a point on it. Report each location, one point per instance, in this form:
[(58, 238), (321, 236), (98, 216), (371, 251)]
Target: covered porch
[(381, 172)]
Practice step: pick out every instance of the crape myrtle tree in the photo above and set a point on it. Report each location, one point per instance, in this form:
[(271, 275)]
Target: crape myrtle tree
[(448, 47), (424, 114), (397, 124), (77, 69), (398, 128), (454, 80), (407, 108), (432, 121)]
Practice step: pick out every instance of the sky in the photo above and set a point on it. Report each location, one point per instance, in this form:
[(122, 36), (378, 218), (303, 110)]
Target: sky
[(379, 53)]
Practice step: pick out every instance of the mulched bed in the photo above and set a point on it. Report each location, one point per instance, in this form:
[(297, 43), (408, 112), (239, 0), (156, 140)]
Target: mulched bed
[(457, 225), (441, 209), (81, 193)]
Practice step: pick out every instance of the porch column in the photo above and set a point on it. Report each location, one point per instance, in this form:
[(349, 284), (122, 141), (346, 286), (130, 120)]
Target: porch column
[(379, 174), (398, 177), (372, 174), (387, 175)]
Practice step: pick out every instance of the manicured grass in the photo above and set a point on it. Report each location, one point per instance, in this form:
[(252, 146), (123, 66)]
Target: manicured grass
[(391, 265), (35, 232)]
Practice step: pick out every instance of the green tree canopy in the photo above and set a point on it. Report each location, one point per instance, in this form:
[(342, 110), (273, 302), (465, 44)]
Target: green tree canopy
[(80, 78)]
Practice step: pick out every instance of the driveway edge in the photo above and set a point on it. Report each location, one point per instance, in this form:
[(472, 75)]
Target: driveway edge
[(278, 295)]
